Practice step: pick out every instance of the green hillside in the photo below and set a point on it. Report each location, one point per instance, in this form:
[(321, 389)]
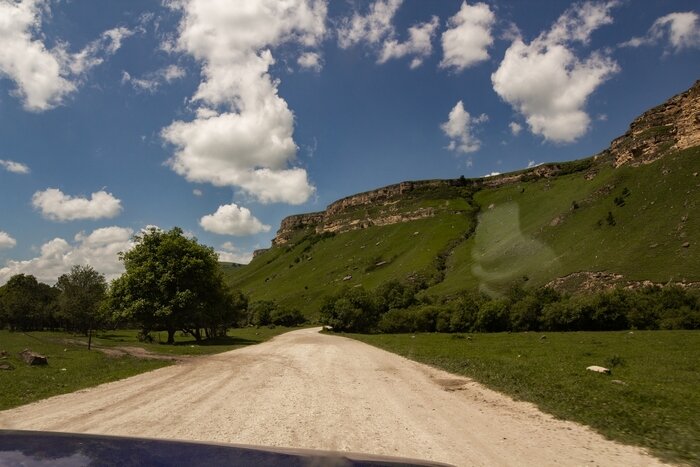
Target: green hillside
[(528, 232), (625, 216), (539, 230), (311, 266)]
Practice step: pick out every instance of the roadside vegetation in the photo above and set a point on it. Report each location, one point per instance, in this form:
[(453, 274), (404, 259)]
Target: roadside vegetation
[(588, 217), (650, 399), (171, 302), (72, 366), (396, 307)]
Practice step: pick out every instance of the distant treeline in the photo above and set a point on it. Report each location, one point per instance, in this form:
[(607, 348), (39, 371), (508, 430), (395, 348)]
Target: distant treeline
[(395, 307), (171, 283)]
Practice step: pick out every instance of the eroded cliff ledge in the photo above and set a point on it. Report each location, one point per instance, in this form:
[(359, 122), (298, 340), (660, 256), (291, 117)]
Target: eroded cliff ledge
[(671, 126)]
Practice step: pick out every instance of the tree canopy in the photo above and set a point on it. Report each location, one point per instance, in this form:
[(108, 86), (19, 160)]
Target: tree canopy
[(26, 304), (82, 292), (174, 283)]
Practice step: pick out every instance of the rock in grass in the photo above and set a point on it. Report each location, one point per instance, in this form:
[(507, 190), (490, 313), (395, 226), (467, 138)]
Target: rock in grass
[(6, 366), (33, 358), (599, 369)]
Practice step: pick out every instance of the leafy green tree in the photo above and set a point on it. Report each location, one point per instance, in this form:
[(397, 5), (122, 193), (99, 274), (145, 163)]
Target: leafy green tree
[(394, 294), (82, 291), (351, 310), (26, 304), (260, 312), (288, 317), (174, 283)]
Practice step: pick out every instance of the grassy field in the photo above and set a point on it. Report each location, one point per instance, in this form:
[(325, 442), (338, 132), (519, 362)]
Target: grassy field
[(651, 398), (72, 366)]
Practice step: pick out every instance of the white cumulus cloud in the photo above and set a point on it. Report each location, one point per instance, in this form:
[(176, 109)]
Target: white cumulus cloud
[(372, 27), (242, 133), (310, 61), (681, 30), (45, 77), (232, 254), (6, 241), (468, 37), (375, 29), (515, 128), (14, 167), (57, 206), (231, 219), (547, 83), (459, 127), (99, 249), (154, 80), (419, 44)]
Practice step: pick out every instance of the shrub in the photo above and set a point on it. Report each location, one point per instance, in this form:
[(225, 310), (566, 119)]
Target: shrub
[(396, 321), (351, 310), (260, 312), (288, 317), (492, 316), (464, 313), (394, 294)]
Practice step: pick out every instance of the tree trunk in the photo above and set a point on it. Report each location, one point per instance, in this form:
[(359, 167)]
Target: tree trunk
[(171, 336), (89, 339)]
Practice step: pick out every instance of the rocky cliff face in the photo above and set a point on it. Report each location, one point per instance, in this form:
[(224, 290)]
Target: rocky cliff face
[(336, 218), (673, 125)]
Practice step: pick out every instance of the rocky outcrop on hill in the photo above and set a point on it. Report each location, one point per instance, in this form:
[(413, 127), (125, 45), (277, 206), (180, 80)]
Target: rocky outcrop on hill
[(589, 281), (337, 217), (673, 125)]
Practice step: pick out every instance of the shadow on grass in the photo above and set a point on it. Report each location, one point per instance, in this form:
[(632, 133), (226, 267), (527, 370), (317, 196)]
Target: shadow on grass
[(228, 340), (113, 336)]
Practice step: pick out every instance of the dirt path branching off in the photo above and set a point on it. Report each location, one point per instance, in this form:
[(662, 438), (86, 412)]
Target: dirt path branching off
[(308, 390)]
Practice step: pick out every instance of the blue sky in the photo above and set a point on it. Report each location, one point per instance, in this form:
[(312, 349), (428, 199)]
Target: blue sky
[(223, 117)]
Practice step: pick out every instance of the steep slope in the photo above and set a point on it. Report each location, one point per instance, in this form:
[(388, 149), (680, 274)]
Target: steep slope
[(626, 215)]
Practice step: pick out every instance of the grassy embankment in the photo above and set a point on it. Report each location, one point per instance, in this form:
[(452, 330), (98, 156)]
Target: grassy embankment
[(651, 399), (549, 228), (301, 274), (536, 230), (72, 366)]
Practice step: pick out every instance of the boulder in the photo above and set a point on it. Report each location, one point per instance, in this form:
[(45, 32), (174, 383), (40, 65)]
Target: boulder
[(33, 358), (6, 366), (599, 369), (686, 245)]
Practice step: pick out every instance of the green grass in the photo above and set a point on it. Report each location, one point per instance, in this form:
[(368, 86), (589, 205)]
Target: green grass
[(527, 231), (185, 344), (302, 274), (72, 367), (530, 230), (657, 407)]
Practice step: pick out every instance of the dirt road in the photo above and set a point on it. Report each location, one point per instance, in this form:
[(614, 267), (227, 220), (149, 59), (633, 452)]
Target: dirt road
[(308, 390)]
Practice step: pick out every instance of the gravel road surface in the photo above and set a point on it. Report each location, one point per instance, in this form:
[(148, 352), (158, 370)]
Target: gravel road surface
[(308, 390)]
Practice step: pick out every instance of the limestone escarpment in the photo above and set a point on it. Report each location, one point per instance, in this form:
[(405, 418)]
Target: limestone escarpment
[(376, 207), (673, 125)]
